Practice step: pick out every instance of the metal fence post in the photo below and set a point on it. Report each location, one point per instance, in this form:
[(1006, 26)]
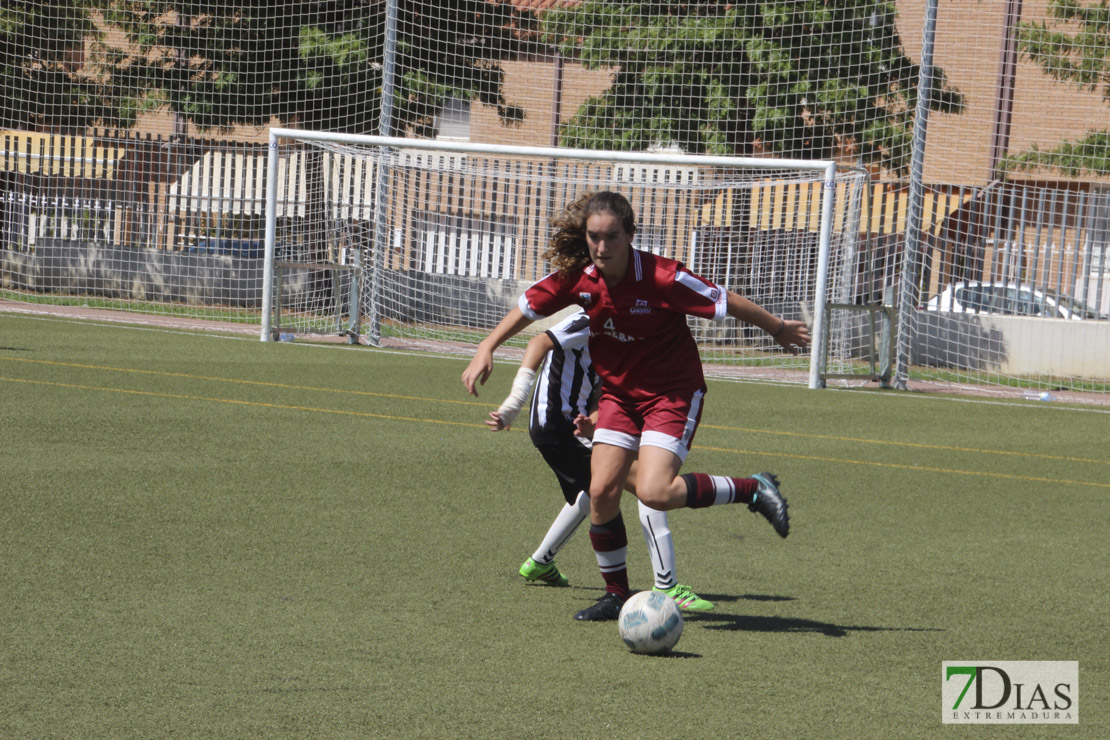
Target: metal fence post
[(911, 250), (385, 126)]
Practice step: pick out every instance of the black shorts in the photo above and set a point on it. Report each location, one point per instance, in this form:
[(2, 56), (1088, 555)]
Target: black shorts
[(569, 459)]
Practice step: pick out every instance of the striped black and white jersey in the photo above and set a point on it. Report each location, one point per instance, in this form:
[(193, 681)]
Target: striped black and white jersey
[(565, 383)]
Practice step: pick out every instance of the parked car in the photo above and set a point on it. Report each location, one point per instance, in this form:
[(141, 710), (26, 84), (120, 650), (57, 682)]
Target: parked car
[(1009, 299), (248, 248)]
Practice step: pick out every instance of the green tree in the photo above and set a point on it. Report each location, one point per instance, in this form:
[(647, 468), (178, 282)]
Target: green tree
[(791, 78), (1073, 46), (44, 81), (316, 65)]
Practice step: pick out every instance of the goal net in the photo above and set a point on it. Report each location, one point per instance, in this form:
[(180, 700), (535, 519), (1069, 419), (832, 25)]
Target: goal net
[(134, 167), (427, 244)]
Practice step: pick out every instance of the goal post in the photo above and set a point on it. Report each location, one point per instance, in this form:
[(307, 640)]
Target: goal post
[(441, 237)]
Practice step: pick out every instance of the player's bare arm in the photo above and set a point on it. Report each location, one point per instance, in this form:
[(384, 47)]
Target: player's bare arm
[(790, 334), (480, 367)]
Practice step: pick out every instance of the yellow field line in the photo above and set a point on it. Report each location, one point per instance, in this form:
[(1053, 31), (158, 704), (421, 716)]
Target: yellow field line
[(261, 383), (919, 445), (365, 414), (920, 468), (262, 404), (372, 394)]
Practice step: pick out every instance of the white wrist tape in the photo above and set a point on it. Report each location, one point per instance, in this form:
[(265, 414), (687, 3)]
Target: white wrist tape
[(522, 387)]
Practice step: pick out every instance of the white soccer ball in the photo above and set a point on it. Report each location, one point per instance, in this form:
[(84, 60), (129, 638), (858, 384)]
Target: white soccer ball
[(650, 623)]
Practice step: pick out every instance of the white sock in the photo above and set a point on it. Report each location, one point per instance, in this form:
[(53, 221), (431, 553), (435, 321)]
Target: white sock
[(566, 524), (657, 534)]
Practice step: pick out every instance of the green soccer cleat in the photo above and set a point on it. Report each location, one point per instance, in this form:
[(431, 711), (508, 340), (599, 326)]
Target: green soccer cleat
[(687, 600), (549, 574)]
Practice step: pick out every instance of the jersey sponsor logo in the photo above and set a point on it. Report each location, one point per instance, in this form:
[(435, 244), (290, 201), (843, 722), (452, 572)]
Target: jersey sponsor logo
[(714, 294), (640, 307)]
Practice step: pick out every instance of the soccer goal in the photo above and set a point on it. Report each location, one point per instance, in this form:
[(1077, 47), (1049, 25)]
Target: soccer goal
[(426, 244)]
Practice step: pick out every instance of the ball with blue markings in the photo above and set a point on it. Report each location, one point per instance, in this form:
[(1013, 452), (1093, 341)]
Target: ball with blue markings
[(650, 623)]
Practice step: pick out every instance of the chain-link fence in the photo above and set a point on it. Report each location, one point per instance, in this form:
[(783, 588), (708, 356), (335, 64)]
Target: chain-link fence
[(133, 139)]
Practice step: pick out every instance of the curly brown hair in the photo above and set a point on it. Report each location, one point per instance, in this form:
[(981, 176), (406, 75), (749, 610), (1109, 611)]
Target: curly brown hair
[(568, 251)]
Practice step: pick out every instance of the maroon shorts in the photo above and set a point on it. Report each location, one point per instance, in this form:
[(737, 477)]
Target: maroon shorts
[(668, 421)]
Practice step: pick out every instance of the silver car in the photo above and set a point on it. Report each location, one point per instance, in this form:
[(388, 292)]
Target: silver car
[(1009, 299)]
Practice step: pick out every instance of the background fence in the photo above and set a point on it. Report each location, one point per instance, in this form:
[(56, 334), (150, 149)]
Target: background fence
[(132, 165)]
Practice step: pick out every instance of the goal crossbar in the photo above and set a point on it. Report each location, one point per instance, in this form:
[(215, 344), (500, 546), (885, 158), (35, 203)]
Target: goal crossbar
[(438, 145), (824, 170)]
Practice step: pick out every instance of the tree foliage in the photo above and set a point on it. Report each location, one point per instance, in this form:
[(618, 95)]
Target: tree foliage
[(316, 65), (1073, 46), (454, 50), (791, 78), (44, 78)]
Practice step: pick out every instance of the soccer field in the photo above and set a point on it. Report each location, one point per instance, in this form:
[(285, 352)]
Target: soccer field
[(205, 536)]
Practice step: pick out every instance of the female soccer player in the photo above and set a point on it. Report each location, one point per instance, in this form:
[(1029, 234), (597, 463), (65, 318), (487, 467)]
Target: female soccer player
[(652, 381), (560, 425)]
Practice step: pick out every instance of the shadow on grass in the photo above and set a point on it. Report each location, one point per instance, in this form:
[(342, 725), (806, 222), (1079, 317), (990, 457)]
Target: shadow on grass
[(748, 623), (671, 654), (728, 598), (710, 597)]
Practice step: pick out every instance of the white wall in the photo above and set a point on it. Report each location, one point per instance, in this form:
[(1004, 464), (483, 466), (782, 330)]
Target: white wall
[(1012, 345)]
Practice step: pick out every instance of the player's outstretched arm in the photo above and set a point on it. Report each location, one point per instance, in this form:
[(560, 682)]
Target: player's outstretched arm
[(506, 413), (790, 334), (480, 367)]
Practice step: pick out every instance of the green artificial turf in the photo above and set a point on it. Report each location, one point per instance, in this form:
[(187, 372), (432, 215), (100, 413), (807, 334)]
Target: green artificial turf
[(215, 537)]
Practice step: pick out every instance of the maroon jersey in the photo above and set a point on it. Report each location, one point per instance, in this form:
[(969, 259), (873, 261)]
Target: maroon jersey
[(639, 340)]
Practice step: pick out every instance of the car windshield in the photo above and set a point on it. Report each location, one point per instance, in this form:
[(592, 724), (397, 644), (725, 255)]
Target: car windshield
[(1002, 299), (1021, 301), (972, 298), (1025, 302)]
